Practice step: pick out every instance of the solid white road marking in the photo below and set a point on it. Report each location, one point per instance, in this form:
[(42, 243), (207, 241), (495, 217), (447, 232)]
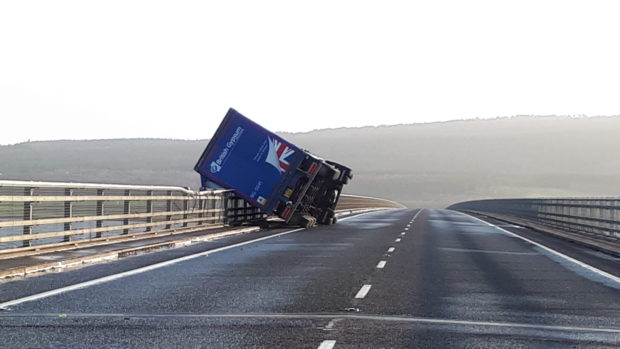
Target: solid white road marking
[(146, 268), (327, 344), (604, 274), (381, 264), (416, 215), (363, 291), (135, 271), (397, 240), (489, 251), (391, 249), (339, 316)]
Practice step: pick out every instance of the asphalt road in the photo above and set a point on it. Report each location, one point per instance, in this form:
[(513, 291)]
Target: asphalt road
[(377, 280)]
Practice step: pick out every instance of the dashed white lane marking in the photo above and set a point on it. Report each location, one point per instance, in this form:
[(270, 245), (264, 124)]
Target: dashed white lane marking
[(327, 344), (406, 228), (381, 264), (597, 271), (403, 233), (397, 240), (363, 291), (391, 249), (330, 325)]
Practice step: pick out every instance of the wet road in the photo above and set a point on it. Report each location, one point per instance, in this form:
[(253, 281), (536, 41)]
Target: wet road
[(400, 278)]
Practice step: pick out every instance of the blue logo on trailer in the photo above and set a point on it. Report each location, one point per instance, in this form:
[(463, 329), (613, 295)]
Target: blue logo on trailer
[(249, 159)]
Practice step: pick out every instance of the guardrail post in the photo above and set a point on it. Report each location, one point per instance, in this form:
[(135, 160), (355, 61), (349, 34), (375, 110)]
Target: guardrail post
[(225, 208), (126, 210), (201, 207), (168, 209), (68, 213), (27, 216), (149, 209), (613, 216), (213, 208), (100, 209), (185, 209)]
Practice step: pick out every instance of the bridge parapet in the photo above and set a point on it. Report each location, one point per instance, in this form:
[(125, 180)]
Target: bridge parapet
[(590, 218), (34, 214), (37, 217)]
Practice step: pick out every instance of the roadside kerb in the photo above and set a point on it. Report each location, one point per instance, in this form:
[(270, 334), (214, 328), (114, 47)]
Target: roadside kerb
[(71, 263), (103, 241)]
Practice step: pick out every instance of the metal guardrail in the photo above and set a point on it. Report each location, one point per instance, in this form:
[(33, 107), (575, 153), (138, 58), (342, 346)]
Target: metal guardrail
[(595, 218), (356, 202), (36, 216)]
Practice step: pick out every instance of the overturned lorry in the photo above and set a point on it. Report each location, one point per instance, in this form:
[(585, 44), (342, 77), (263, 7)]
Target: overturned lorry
[(271, 173)]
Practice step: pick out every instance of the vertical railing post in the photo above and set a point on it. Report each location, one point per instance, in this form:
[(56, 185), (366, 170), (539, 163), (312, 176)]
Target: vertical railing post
[(168, 209), (126, 211), (27, 216), (213, 207), (185, 210), (614, 216), (68, 212), (149, 209), (100, 212), (201, 207), (225, 206)]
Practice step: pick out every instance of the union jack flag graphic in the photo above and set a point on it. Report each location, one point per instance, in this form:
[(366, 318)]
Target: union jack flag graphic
[(278, 155)]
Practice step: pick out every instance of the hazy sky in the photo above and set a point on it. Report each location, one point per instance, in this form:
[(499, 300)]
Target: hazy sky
[(110, 69)]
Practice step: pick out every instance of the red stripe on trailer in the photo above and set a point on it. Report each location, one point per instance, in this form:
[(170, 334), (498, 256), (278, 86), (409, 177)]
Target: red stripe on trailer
[(286, 213), (313, 168)]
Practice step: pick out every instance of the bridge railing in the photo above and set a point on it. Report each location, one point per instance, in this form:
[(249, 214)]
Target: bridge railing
[(38, 216), (596, 218), (357, 202), (40, 213)]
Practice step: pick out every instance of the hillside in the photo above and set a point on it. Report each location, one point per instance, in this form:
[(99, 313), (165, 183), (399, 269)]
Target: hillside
[(431, 165)]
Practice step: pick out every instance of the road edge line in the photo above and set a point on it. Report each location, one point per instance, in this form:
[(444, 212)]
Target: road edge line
[(140, 270), (584, 265)]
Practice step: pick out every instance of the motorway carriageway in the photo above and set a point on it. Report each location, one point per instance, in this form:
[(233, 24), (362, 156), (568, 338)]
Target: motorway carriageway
[(395, 278)]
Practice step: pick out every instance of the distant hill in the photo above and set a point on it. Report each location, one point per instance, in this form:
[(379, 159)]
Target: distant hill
[(430, 165)]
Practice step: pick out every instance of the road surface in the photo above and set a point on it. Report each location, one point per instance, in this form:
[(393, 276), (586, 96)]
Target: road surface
[(398, 278)]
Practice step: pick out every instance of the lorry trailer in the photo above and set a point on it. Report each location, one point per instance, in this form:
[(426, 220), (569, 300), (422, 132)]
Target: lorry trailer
[(272, 174)]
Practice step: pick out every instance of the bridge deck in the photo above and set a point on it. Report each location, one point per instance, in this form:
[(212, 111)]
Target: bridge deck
[(382, 279)]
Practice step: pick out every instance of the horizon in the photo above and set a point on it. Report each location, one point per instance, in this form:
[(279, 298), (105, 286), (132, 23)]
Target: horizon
[(328, 129)]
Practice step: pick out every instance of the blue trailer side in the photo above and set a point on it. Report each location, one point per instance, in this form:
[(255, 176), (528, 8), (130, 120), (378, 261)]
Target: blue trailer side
[(245, 157), (271, 173)]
